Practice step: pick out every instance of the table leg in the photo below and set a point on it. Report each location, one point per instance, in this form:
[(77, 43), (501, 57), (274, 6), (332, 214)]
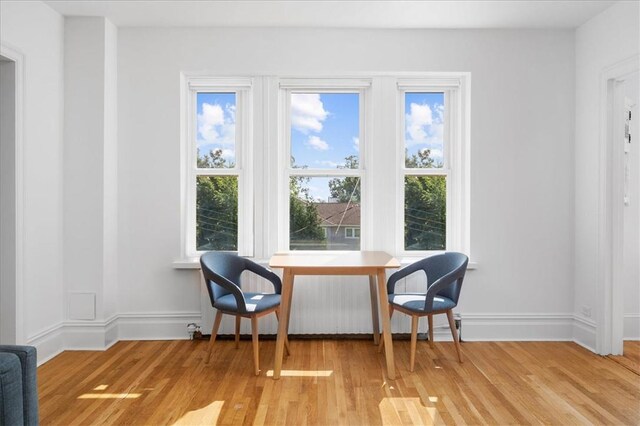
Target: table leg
[(374, 309), (283, 325), (386, 323), (293, 277)]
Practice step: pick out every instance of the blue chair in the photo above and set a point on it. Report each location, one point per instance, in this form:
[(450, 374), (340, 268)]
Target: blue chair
[(444, 274), (222, 277)]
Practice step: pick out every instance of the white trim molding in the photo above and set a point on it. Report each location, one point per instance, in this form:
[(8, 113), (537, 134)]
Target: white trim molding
[(243, 88), (456, 88), (584, 332), (631, 327), (101, 335), (18, 58), (609, 286)]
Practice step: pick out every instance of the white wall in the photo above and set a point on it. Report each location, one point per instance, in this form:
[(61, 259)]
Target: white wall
[(608, 38), (83, 164), (36, 31), (522, 152), (90, 159)]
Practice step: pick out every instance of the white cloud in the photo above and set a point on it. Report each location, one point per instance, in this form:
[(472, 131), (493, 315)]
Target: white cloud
[(307, 112), (317, 143), (217, 125), (356, 143), (418, 118), (228, 154), (424, 125)]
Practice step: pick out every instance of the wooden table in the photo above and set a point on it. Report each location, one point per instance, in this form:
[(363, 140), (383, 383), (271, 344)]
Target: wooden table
[(371, 263)]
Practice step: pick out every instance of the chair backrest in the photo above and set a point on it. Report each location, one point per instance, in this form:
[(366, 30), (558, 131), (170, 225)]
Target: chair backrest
[(440, 265), (217, 265)]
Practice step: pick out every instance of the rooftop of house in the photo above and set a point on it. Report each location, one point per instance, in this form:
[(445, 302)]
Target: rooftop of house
[(331, 214)]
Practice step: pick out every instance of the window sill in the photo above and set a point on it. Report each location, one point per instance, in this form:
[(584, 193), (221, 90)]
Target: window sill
[(194, 262)]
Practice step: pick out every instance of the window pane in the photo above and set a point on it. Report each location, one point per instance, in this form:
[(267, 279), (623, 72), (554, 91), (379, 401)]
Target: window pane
[(424, 130), (325, 130), (217, 213), (321, 209), (425, 212), (216, 135)]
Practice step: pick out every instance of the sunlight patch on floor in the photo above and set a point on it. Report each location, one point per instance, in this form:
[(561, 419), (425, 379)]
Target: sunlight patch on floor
[(400, 411), (100, 387), (302, 373), (203, 416), (110, 396)]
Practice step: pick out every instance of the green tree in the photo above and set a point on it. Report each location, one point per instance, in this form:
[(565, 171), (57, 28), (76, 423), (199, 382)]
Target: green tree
[(425, 206), (347, 188), (304, 221), (216, 206)]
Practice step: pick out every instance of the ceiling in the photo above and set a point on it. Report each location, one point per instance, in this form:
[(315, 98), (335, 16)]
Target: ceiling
[(339, 14)]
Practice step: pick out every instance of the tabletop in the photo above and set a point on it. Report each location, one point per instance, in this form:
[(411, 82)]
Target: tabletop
[(354, 259)]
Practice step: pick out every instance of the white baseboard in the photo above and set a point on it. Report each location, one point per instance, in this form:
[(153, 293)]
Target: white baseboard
[(156, 326), (100, 335), (517, 327), (49, 342), (584, 332), (631, 327)]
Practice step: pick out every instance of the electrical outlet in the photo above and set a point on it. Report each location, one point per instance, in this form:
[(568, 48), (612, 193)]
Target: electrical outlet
[(586, 311)]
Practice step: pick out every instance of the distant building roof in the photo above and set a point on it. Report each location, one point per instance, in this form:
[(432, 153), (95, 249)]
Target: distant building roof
[(331, 214)]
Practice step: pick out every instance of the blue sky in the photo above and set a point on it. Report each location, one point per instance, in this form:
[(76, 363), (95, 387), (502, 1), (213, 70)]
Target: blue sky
[(216, 123), (325, 128), (424, 123)]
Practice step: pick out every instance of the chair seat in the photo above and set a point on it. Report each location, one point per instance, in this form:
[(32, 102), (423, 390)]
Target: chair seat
[(415, 302), (256, 302)]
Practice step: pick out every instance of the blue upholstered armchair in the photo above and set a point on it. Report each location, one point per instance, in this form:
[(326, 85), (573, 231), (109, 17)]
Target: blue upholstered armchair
[(18, 386), (444, 274), (222, 272)]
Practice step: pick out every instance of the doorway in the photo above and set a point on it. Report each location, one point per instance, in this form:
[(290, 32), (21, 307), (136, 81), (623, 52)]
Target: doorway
[(619, 217), (626, 101), (8, 142)]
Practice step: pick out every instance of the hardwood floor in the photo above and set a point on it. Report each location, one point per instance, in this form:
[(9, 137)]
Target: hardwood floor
[(333, 382), (631, 356)]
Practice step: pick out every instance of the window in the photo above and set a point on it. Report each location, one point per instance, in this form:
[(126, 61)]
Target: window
[(341, 164), (218, 198), (432, 170), (425, 172), (324, 134), (352, 232)]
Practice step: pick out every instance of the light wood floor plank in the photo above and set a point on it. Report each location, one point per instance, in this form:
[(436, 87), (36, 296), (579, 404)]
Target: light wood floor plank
[(337, 382)]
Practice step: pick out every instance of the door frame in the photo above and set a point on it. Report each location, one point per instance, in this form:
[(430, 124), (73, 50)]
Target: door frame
[(19, 60), (610, 287)]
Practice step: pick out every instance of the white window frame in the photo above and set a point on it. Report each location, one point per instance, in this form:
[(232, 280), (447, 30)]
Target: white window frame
[(288, 86), (455, 154), (190, 87)]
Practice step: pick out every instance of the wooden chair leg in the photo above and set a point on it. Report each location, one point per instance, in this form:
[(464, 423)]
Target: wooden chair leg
[(214, 333), (454, 333), (238, 318), (381, 344), (414, 339), (430, 319), (286, 338), (254, 339)]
